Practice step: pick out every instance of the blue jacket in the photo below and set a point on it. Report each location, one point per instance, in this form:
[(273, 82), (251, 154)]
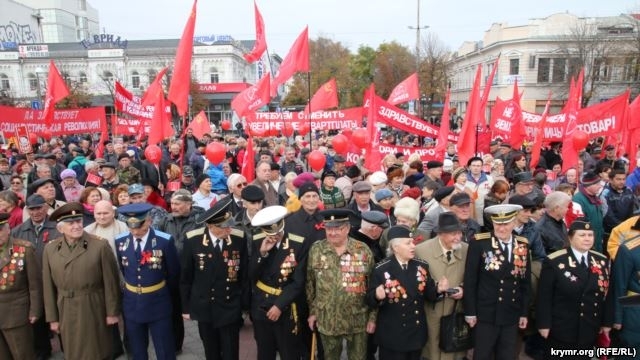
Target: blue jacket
[(633, 179), (162, 264)]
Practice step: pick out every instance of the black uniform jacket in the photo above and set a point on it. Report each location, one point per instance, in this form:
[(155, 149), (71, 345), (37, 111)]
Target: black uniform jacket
[(573, 301), (497, 291), (401, 324), (283, 270), (213, 283)]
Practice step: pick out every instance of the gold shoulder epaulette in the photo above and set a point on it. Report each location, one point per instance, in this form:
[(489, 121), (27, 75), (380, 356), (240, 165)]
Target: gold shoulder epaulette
[(598, 254), (24, 243), (557, 253), (259, 236), (632, 244), (296, 238), (195, 232), (383, 262), (237, 232), (482, 236), (522, 239)]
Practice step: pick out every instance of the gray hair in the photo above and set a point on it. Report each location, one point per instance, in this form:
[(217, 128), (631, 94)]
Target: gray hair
[(555, 199), (290, 176), (90, 165)]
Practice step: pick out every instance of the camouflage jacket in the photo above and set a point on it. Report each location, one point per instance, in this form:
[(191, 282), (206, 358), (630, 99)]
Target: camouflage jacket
[(336, 287), (129, 176)]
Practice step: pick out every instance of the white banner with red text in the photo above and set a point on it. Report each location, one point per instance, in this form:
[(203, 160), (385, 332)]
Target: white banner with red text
[(320, 120)]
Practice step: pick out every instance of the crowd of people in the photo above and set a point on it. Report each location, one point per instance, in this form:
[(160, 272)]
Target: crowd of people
[(106, 249)]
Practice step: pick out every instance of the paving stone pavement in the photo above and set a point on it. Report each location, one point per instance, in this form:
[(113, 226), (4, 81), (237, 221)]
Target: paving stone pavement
[(192, 347)]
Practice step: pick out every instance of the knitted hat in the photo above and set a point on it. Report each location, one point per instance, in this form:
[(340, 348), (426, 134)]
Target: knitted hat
[(590, 178), (378, 178), (307, 187), (201, 178), (413, 193), (407, 207)]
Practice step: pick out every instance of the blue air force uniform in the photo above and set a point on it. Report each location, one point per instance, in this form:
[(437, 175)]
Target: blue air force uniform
[(150, 273)]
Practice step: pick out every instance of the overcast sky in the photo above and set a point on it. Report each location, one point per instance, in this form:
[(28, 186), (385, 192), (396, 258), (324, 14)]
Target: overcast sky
[(352, 22)]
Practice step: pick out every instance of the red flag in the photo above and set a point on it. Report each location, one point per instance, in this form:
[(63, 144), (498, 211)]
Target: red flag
[(261, 42), (634, 114), (252, 98), (443, 134), (56, 91), (373, 158), (248, 165), (405, 91), (297, 60), (569, 154), (200, 125), (487, 88), (467, 142), (325, 98), (538, 135), (100, 147), (160, 124), (181, 78), (149, 97)]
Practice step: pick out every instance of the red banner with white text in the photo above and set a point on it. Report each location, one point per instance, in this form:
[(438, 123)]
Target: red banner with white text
[(402, 120), (123, 126), (65, 122), (130, 104), (320, 120), (426, 154)]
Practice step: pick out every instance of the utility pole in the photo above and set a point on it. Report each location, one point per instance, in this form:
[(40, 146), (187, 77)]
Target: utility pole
[(417, 28)]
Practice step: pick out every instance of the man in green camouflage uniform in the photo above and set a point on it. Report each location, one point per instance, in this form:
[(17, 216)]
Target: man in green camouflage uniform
[(127, 173), (337, 275)]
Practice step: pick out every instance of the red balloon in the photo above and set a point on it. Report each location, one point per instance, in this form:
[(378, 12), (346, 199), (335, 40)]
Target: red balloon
[(215, 152), (225, 125), (580, 140), (287, 130), (347, 132), (46, 134), (316, 160), (153, 154), (360, 138), (340, 143), (304, 129)]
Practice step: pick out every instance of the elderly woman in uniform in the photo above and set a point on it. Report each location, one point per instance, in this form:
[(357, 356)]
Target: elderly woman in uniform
[(573, 306), (398, 288)]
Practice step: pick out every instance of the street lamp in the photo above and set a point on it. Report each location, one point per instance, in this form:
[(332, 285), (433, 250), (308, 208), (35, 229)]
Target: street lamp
[(417, 28)]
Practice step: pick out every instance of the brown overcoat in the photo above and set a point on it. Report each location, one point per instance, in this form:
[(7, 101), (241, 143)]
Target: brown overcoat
[(81, 288), (433, 253)]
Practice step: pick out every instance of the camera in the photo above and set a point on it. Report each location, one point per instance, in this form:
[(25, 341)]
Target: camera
[(452, 291)]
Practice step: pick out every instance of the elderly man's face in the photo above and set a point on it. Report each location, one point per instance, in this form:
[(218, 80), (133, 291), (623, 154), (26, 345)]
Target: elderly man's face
[(124, 162), (72, 230), (47, 191), (236, 188), (174, 149), (37, 214), (180, 208), (142, 230), (263, 172)]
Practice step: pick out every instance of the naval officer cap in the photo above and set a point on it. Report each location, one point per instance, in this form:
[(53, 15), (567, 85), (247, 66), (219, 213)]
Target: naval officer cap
[(219, 214), (68, 212), (336, 217), (580, 223), (135, 214), (503, 213), (399, 232), (270, 219)]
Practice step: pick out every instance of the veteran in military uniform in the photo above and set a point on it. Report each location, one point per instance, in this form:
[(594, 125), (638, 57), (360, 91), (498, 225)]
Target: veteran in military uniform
[(338, 272), (80, 281), (150, 268), (626, 281), (497, 281), (213, 283), (277, 277), (398, 288), (573, 305), (20, 294)]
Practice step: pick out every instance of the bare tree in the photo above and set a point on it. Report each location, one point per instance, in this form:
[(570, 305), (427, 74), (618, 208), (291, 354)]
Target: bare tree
[(433, 68)]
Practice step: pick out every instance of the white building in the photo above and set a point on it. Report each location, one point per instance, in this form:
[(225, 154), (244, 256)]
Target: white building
[(543, 55), (48, 21)]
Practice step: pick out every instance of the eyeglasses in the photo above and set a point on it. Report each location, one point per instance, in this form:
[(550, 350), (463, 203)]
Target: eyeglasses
[(16, 183), (241, 185)]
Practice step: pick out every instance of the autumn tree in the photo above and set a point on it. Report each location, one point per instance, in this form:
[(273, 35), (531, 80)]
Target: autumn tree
[(433, 68), (394, 62), (78, 96), (361, 75), (6, 99)]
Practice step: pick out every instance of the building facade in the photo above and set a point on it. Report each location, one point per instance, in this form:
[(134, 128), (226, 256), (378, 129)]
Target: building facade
[(544, 54)]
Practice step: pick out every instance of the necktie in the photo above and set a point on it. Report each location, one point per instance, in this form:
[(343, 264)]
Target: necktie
[(584, 261), (505, 248), (218, 245), (240, 203), (449, 256), (38, 230), (138, 248), (404, 266)]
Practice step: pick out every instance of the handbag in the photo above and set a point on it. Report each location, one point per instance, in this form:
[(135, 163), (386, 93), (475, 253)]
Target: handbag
[(455, 333)]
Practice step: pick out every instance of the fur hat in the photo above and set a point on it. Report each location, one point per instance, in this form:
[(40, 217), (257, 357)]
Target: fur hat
[(407, 207)]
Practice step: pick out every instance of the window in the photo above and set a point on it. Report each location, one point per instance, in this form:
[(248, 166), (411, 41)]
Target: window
[(4, 82), (107, 76), (558, 70), (631, 69), (82, 4), (543, 70), (83, 77), (65, 77), (152, 75), (213, 75), (135, 80), (33, 82), (514, 66)]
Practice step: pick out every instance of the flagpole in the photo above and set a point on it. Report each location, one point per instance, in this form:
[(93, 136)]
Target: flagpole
[(309, 102)]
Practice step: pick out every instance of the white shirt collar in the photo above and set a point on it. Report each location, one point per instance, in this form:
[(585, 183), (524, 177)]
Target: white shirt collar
[(144, 238), (579, 254)]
